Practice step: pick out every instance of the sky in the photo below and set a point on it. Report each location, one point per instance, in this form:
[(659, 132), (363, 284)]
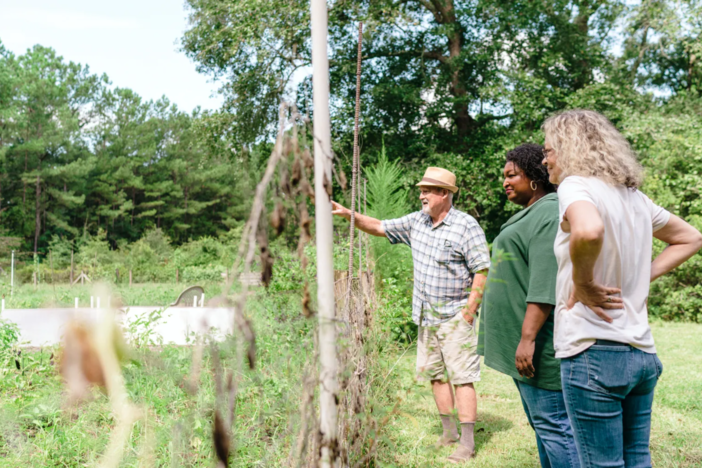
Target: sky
[(134, 42)]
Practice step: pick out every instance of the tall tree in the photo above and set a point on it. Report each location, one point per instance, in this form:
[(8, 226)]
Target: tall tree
[(437, 73), (51, 107), (126, 136), (663, 46)]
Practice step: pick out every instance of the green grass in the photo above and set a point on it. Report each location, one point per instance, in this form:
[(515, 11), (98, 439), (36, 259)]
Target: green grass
[(63, 295), (504, 438), (37, 429)]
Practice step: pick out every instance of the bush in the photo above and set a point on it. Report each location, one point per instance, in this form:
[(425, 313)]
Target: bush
[(202, 273), (387, 199), (204, 251), (150, 259), (669, 143)]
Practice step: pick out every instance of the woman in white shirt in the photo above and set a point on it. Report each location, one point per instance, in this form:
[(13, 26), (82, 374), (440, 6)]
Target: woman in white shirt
[(609, 366)]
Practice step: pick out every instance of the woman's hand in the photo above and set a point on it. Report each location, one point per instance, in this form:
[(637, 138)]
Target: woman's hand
[(536, 315), (597, 297), (524, 359)]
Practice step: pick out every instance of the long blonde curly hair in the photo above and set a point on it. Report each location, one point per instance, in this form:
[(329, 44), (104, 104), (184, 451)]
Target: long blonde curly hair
[(587, 144)]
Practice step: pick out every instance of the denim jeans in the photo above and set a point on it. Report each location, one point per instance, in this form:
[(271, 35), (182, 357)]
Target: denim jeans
[(609, 393), (546, 412)]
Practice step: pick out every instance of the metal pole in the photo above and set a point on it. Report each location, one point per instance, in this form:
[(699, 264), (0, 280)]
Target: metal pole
[(354, 177), (329, 364)]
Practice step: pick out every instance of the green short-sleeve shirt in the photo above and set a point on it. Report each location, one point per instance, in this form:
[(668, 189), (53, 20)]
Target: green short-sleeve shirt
[(523, 270)]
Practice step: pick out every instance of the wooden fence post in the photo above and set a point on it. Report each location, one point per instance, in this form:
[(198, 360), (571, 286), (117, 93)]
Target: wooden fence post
[(329, 363), (71, 281)]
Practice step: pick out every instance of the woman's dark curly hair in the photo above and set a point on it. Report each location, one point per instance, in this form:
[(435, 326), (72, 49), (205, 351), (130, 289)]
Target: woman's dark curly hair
[(529, 157)]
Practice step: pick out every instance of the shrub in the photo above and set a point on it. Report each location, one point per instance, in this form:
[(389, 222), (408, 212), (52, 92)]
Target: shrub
[(669, 143), (387, 199)]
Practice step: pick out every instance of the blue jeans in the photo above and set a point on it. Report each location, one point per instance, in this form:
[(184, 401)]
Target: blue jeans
[(547, 414), (609, 394)]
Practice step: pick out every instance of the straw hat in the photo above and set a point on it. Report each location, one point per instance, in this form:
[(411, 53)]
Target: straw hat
[(438, 177)]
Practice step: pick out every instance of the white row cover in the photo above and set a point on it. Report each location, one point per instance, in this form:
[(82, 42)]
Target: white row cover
[(176, 325)]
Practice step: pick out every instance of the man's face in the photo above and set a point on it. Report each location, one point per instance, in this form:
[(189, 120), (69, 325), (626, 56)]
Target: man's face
[(551, 163), (433, 199)]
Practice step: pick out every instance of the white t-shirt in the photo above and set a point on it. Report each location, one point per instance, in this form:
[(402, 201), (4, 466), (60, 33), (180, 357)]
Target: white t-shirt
[(630, 218)]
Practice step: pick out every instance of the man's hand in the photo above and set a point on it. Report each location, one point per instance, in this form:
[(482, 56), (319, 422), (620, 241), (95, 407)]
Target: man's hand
[(365, 223), (476, 296), (468, 316), (524, 357), (597, 298), (339, 210)]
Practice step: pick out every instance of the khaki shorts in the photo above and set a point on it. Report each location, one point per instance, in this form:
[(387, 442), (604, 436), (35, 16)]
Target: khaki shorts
[(448, 347)]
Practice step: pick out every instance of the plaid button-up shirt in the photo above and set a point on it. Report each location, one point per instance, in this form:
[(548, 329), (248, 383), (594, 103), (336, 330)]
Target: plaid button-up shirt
[(446, 258)]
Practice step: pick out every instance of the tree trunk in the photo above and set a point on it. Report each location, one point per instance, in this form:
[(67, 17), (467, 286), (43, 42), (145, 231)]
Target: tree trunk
[(584, 74), (444, 14), (37, 229), (329, 365), (463, 121), (24, 182)]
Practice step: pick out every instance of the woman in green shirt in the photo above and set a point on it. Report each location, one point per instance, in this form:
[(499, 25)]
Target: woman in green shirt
[(516, 325)]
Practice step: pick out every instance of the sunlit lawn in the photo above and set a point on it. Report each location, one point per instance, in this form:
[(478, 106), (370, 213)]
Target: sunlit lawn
[(504, 438)]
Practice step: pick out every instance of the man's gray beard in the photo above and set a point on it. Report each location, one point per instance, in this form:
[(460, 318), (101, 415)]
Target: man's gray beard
[(426, 209)]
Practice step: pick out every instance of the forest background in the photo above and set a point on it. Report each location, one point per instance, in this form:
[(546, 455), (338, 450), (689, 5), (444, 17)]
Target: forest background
[(93, 168)]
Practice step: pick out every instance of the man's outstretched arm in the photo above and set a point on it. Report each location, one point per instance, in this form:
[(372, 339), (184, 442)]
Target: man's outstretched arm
[(365, 223)]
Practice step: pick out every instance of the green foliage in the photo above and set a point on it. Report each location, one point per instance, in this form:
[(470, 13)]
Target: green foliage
[(395, 312), (669, 142), (37, 430), (9, 336), (79, 159), (387, 199), (140, 331)]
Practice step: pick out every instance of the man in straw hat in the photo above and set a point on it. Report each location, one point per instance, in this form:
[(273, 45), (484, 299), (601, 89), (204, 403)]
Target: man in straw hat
[(451, 260)]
